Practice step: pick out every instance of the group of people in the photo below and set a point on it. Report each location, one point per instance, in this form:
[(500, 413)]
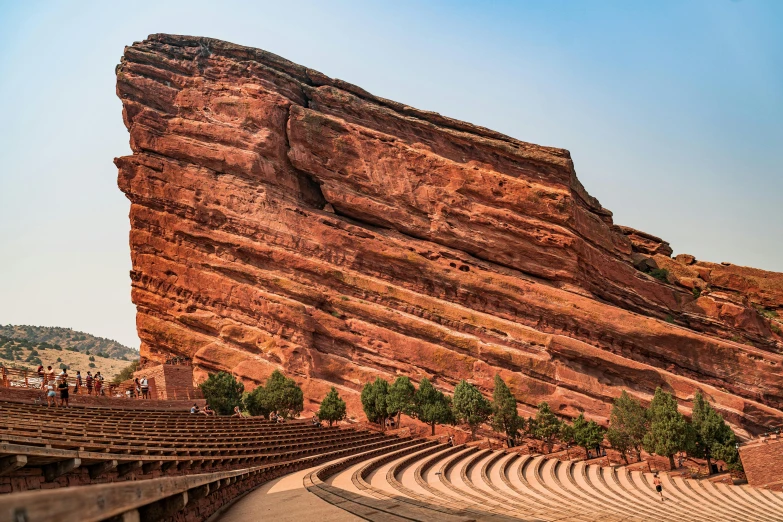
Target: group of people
[(206, 411), (52, 383), (140, 389)]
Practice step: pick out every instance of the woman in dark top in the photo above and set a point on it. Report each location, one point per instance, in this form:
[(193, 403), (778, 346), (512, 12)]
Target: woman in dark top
[(63, 387)]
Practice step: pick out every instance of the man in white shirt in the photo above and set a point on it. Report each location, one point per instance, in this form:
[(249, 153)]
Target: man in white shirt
[(145, 388)]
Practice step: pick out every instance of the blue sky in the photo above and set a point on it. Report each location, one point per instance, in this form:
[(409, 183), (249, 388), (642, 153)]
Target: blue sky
[(673, 112)]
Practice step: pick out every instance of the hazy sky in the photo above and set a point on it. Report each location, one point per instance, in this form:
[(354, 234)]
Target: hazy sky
[(673, 112)]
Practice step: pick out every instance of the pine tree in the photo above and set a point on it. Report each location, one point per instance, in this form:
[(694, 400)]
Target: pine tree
[(432, 406), (505, 418), (566, 436), (470, 406), (714, 438), (374, 401), (400, 398), (669, 431), (282, 395), (332, 408), (546, 425), (255, 404), (587, 434), (222, 392), (627, 426)]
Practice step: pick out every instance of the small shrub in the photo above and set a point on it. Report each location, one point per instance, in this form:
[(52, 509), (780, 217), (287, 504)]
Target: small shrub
[(59, 360), (661, 274), (775, 328), (696, 292), (669, 319), (92, 358), (92, 365), (769, 314)]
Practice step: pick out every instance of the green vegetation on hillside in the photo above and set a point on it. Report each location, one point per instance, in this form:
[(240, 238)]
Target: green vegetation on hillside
[(57, 338), (26, 347)]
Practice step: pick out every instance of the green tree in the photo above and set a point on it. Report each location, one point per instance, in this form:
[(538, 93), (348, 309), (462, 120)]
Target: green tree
[(567, 436), (126, 373), (283, 395), (627, 426), (92, 358), (400, 398), (222, 392), (546, 425), (713, 437), (432, 406), (374, 401), (669, 431), (255, 404), (332, 408), (587, 434), (505, 418), (470, 406)]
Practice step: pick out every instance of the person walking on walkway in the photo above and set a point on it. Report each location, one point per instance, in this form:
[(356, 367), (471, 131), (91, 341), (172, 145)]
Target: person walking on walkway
[(658, 486)]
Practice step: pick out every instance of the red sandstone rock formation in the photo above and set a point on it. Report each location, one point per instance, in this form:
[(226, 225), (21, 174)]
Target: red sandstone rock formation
[(282, 218)]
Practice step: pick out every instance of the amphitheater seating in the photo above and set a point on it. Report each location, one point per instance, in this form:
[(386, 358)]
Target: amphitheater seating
[(156, 460), (152, 465), (426, 481)]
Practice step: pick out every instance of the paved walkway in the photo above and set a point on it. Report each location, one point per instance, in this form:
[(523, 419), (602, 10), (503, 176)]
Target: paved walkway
[(285, 500)]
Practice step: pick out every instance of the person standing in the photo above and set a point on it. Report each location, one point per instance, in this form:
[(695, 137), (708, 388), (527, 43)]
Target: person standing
[(98, 383), (145, 387), (77, 382), (50, 394), (89, 381), (63, 388), (50, 376)]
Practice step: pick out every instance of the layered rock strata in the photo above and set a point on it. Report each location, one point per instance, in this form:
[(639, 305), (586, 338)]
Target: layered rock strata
[(284, 219)]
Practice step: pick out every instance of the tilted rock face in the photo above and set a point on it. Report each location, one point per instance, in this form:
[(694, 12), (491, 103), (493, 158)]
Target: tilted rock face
[(284, 219)]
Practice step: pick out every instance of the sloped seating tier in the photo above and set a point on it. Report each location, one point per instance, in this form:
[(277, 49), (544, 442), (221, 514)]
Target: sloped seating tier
[(191, 497), (428, 481), (43, 447)]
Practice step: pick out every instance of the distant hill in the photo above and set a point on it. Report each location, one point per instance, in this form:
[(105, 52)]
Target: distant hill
[(54, 337)]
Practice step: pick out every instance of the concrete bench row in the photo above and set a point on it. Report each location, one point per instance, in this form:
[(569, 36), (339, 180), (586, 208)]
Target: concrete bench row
[(191, 497), (55, 462), (422, 481)]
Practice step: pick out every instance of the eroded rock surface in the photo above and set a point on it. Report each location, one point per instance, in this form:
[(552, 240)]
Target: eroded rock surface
[(284, 219)]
